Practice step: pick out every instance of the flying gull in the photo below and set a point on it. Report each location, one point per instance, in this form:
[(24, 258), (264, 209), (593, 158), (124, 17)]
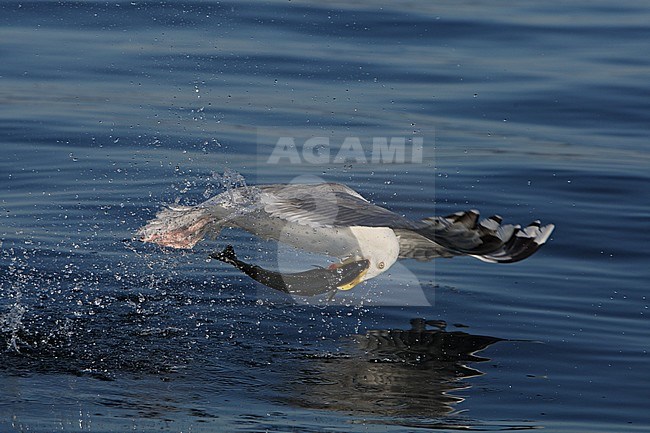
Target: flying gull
[(335, 220)]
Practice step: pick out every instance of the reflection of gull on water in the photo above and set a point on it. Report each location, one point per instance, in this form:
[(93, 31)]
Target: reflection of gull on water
[(335, 220), (394, 372)]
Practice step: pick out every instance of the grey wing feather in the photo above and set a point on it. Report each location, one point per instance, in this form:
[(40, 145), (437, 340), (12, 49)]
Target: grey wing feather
[(328, 205), (415, 246)]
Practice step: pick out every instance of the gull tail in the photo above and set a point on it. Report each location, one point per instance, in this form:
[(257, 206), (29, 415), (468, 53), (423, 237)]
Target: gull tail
[(488, 240), (227, 255), (178, 226)]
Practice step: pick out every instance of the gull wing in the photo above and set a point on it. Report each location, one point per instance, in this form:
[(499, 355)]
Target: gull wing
[(415, 246), (327, 205), (462, 234)]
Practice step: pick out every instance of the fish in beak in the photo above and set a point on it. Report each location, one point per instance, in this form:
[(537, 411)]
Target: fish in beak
[(342, 276), (356, 280)]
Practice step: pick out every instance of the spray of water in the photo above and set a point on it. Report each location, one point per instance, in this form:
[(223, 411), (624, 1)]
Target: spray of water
[(11, 321), (234, 185), (237, 195)]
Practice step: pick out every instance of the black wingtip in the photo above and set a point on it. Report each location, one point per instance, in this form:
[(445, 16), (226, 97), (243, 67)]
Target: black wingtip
[(522, 244), (497, 218), (468, 218)]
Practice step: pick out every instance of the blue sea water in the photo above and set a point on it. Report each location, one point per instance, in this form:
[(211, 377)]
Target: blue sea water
[(530, 110)]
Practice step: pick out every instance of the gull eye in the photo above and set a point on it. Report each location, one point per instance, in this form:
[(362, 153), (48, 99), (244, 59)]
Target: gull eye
[(381, 265)]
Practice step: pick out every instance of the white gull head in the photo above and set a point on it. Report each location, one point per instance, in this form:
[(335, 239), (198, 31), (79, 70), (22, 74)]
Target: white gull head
[(379, 245)]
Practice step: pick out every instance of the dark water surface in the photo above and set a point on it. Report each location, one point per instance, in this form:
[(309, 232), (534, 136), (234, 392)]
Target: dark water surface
[(528, 110)]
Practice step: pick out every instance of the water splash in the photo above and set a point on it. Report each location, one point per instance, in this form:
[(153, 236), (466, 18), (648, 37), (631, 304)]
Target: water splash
[(181, 226), (11, 322), (231, 181), (238, 195)]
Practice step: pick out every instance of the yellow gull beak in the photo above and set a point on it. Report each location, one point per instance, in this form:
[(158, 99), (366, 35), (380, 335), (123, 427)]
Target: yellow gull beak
[(358, 279)]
